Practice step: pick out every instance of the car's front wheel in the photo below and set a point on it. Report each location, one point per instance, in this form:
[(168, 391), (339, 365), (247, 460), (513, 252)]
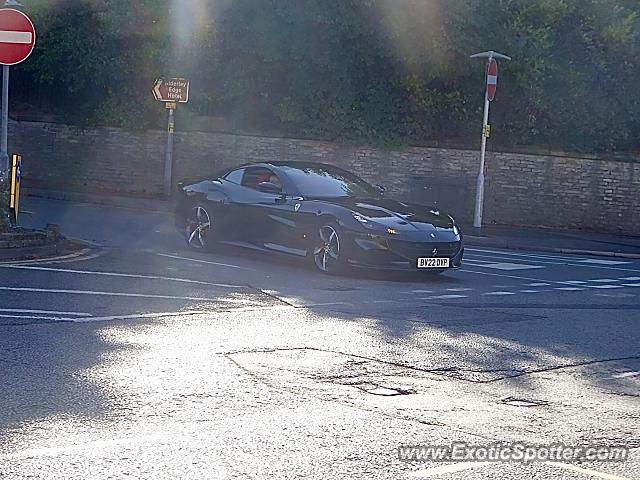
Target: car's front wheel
[(199, 227), (328, 252)]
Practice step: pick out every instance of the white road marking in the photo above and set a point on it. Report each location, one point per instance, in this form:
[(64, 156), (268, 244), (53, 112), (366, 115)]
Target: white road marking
[(631, 284), (528, 291), (498, 293), (633, 279), (177, 257), (443, 297), (50, 312), (12, 36), (50, 259), (543, 261), (586, 471), (459, 289), (555, 260), (109, 318), (603, 280), (114, 274), (449, 468), (625, 375), (509, 266), (517, 277), (527, 255), (37, 317), (605, 286), (324, 304), (63, 450), (575, 282), (570, 289), (421, 291), (119, 294), (604, 262), (615, 295)]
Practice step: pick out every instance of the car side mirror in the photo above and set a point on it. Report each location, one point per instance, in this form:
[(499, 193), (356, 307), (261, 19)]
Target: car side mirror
[(381, 189), (268, 187)]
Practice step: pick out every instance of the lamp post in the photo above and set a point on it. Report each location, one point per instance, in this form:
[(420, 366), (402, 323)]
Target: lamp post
[(492, 82)]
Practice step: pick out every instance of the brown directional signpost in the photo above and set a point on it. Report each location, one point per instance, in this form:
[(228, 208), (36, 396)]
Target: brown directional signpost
[(171, 91)]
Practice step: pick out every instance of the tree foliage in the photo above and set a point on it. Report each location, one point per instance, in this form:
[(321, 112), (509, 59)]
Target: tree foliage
[(385, 72)]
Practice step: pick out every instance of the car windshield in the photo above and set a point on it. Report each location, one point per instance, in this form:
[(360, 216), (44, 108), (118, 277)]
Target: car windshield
[(320, 181)]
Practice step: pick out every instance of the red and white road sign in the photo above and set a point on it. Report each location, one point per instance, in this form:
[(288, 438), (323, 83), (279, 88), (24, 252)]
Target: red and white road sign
[(492, 79), (17, 36)]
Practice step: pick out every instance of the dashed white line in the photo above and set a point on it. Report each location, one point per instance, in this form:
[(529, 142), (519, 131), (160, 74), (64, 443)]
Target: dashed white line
[(37, 317), (443, 297), (603, 280), (570, 289), (177, 257), (49, 312), (498, 293), (575, 282), (604, 262), (509, 266), (633, 279), (459, 289), (115, 274), (631, 284), (605, 286), (118, 294), (625, 375), (528, 291), (539, 284)]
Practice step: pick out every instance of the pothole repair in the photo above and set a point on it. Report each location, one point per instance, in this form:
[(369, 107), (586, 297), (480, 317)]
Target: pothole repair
[(522, 402)]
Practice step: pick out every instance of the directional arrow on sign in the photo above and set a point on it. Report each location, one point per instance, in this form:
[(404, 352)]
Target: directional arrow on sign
[(156, 89), (171, 90)]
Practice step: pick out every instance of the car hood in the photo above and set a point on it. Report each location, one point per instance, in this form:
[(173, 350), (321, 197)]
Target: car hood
[(397, 215)]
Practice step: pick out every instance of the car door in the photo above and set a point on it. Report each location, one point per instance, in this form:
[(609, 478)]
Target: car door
[(254, 207)]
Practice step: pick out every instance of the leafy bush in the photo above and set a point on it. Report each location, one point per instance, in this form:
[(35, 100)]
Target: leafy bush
[(388, 72)]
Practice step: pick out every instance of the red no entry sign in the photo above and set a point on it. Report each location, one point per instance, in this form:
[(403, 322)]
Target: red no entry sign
[(492, 79), (17, 36)]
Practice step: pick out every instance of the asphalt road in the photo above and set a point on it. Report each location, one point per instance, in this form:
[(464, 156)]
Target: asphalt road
[(138, 358)]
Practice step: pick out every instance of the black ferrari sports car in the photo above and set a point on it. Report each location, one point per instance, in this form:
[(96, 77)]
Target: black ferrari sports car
[(316, 211)]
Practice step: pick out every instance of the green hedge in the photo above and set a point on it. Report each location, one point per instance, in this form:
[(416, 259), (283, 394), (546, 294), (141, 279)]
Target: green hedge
[(384, 72)]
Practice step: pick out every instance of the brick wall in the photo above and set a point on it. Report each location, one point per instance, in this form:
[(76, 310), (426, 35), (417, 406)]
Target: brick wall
[(522, 189)]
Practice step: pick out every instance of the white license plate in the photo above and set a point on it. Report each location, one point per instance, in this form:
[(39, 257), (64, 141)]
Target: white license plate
[(433, 262)]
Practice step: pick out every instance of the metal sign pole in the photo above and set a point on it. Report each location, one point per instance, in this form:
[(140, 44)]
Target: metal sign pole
[(168, 161), (4, 155), (491, 81), (477, 217)]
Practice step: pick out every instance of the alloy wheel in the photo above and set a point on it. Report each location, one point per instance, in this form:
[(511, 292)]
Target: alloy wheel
[(327, 251), (198, 228)]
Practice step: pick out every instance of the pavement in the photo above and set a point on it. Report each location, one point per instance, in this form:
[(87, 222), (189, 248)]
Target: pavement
[(136, 357)]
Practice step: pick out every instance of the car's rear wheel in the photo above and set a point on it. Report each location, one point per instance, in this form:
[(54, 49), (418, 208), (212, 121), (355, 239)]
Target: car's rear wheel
[(328, 251), (199, 227)]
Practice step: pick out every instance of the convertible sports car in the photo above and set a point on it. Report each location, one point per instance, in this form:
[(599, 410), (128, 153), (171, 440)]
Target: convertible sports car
[(316, 211)]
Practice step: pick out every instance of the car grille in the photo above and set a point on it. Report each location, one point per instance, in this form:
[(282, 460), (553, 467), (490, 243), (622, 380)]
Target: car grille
[(413, 250)]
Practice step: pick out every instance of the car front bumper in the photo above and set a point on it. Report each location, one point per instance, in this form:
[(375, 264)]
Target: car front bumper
[(380, 252)]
